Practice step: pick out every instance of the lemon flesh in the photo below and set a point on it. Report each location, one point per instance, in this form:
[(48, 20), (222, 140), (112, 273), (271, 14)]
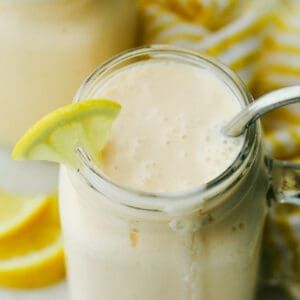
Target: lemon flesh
[(16, 211), (33, 256), (56, 137)]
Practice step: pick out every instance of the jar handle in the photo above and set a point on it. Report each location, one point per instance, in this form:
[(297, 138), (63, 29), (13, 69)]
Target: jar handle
[(285, 179), (280, 261)]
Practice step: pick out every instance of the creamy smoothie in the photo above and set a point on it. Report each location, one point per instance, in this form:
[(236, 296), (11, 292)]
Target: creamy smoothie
[(166, 139)]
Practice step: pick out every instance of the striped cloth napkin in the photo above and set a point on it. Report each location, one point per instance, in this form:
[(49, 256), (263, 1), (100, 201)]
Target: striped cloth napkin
[(279, 65), (230, 30), (260, 40)]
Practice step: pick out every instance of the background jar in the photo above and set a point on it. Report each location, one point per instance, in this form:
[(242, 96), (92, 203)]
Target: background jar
[(47, 48)]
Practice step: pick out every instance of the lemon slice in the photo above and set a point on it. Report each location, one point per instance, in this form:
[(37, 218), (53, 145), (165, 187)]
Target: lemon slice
[(16, 211), (56, 137), (33, 257)]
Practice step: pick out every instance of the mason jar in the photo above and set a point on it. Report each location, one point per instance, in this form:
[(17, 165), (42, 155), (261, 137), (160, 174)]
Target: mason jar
[(200, 244), (47, 48)]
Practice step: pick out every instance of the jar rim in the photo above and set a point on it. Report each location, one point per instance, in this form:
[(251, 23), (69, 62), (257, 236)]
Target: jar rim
[(168, 201)]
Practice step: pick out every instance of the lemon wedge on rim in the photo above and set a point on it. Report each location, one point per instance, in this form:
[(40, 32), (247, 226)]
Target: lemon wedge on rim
[(56, 137)]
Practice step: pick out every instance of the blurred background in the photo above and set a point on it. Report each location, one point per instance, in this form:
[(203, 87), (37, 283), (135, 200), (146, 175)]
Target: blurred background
[(47, 49)]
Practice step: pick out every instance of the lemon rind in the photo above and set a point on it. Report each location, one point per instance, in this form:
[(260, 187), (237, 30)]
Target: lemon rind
[(71, 113)]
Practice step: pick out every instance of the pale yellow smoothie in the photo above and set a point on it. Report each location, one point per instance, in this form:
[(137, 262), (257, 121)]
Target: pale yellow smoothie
[(48, 47), (166, 139)]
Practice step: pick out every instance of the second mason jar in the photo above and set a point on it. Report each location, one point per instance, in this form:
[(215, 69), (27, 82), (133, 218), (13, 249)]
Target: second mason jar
[(47, 49)]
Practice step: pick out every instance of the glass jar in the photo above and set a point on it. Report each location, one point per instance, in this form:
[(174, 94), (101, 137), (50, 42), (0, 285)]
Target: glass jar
[(47, 48), (121, 244), (199, 244)]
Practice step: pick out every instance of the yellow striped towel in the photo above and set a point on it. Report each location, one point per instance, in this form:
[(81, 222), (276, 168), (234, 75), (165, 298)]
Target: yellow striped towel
[(278, 66), (230, 30)]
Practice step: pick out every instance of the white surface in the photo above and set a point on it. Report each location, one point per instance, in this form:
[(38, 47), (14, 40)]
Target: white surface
[(56, 292), (26, 177), (59, 292)]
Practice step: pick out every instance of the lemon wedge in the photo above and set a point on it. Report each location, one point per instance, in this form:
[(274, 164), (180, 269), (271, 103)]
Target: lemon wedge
[(33, 256), (16, 211), (56, 137)]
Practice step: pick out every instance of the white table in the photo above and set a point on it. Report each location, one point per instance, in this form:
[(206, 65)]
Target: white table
[(59, 292), (56, 292)]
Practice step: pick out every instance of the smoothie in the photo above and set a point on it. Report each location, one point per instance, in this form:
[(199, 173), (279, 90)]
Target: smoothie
[(166, 139)]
